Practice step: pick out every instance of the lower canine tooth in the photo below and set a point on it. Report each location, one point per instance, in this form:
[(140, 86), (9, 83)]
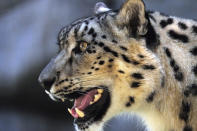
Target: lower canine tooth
[(100, 91), (80, 113), (69, 110), (91, 102), (97, 97)]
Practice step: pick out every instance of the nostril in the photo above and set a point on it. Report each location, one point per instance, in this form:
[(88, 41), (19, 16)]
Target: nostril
[(48, 83)]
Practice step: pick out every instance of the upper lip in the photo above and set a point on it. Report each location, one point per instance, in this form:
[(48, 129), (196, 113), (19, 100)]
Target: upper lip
[(75, 94)]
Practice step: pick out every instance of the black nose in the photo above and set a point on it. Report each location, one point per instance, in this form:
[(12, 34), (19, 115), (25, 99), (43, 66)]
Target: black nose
[(47, 83)]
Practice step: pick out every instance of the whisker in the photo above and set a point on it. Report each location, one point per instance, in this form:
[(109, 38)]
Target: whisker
[(91, 75), (86, 81)]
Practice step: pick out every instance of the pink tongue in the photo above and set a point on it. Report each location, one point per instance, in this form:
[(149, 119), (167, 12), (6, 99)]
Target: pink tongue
[(82, 102)]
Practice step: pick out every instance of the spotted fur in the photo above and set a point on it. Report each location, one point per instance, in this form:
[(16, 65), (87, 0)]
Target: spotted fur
[(146, 60)]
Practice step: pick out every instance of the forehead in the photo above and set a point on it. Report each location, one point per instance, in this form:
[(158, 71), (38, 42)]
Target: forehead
[(63, 34)]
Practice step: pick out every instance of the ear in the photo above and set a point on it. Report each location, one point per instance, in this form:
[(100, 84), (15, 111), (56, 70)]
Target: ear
[(132, 16), (100, 7)]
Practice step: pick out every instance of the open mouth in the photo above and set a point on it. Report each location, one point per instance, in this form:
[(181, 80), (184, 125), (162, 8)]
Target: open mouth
[(89, 105)]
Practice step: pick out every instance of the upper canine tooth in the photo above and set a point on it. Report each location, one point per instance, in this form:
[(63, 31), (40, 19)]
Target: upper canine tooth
[(97, 97), (100, 91), (69, 110), (80, 113)]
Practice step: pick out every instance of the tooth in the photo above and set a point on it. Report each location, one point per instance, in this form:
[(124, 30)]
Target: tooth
[(100, 91), (80, 113), (71, 100), (97, 97), (62, 100), (91, 102), (69, 110)]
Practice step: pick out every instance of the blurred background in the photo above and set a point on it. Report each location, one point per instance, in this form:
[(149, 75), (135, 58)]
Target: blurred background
[(28, 32)]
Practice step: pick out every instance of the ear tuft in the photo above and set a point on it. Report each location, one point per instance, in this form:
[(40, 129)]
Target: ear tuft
[(100, 7), (132, 16)]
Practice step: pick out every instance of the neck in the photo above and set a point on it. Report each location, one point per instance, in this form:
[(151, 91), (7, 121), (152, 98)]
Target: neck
[(171, 48), (172, 44)]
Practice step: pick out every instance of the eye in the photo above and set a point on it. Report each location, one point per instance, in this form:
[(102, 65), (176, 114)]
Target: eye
[(83, 46)]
